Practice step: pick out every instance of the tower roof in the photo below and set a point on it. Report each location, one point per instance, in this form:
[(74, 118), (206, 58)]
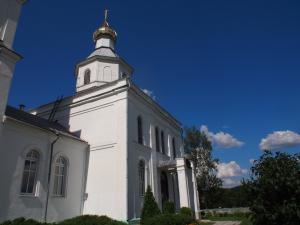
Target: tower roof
[(105, 31)]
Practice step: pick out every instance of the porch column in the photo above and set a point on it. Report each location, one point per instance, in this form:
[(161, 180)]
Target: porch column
[(196, 194), (182, 183)]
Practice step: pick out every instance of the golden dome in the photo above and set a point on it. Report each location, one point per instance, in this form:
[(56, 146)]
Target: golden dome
[(105, 30)]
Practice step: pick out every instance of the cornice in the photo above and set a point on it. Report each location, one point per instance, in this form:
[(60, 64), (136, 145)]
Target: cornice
[(104, 59), (9, 53), (154, 105), (22, 1)]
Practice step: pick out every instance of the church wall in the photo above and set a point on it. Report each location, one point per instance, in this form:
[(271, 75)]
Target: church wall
[(17, 140), (147, 152), (102, 122), (105, 130)]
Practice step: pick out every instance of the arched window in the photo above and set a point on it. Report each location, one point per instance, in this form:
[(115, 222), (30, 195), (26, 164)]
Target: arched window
[(140, 130), (30, 173), (157, 139), (141, 178), (162, 142), (174, 148), (87, 77), (60, 175)]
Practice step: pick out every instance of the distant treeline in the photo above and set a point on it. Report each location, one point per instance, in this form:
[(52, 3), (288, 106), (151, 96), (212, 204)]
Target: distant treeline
[(226, 198)]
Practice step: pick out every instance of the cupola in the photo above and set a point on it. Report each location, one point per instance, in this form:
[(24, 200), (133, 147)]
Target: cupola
[(105, 36), (103, 65)]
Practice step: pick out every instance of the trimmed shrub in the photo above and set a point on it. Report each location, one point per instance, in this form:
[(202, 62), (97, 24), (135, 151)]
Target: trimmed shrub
[(7, 222), (169, 208), (18, 221), (186, 211), (80, 220), (91, 220), (150, 208), (21, 221), (169, 219)]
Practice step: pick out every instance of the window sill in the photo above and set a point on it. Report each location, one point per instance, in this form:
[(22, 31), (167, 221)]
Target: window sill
[(142, 145), (58, 196), (28, 196)]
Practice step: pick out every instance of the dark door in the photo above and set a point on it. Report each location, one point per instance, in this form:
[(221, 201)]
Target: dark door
[(164, 187)]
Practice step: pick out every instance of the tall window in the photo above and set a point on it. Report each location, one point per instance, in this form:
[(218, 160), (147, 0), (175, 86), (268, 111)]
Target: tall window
[(140, 130), (162, 142), (174, 148), (60, 173), (142, 178), (30, 173), (87, 76), (157, 139)]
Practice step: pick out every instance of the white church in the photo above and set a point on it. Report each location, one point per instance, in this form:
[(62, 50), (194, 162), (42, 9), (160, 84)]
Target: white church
[(91, 153)]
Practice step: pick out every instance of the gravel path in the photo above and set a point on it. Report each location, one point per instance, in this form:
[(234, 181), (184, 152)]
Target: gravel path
[(227, 223)]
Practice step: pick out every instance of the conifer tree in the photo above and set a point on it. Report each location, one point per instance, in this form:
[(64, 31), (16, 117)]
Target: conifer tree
[(150, 207)]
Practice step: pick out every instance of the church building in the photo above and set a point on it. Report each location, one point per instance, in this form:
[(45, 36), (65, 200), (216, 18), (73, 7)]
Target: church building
[(91, 153)]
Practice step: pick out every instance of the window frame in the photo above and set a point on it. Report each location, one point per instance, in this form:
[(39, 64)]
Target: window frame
[(174, 148), (31, 159), (87, 77), (142, 177), (163, 147), (62, 177), (157, 141), (140, 130)]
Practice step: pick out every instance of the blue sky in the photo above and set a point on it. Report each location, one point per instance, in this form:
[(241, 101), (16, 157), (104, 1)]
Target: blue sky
[(232, 65)]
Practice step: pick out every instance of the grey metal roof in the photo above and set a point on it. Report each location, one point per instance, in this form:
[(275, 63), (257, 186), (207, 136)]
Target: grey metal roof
[(103, 51), (37, 121)]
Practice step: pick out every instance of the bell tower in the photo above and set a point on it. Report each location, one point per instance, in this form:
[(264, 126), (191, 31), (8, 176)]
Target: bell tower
[(103, 65)]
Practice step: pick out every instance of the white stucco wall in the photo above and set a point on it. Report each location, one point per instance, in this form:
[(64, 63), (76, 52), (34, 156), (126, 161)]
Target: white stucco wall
[(7, 66), (9, 16), (100, 117), (16, 140), (151, 118)]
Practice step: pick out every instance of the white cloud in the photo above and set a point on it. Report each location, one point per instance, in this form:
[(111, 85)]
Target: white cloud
[(149, 93), (230, 182), (231, 169), (230, 173), (221, 139), (279, 140)]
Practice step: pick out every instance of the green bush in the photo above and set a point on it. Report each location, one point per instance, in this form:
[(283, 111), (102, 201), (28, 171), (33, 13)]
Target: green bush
[(21, 221), (169, 208), (91, 220), (169, 219), (274, 189), (186, 211), (150, 208), (80, 220)]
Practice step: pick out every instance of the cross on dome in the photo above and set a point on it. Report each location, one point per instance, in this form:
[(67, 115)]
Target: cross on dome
[(105, 31)]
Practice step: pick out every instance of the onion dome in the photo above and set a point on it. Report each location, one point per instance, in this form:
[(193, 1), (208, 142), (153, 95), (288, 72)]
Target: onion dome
[(105, 31)]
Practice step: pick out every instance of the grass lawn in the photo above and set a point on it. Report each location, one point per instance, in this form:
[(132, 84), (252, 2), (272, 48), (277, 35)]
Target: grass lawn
[(245, 221)]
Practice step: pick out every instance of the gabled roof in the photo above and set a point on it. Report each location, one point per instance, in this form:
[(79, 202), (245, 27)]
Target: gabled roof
[(37, 121)]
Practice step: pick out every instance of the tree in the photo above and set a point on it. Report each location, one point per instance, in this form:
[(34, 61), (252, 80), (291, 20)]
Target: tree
[(274, 189), (150, 208), (197, 143)]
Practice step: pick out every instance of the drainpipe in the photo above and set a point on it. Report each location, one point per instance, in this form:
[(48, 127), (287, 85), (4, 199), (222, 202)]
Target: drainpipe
[(49, 174)]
